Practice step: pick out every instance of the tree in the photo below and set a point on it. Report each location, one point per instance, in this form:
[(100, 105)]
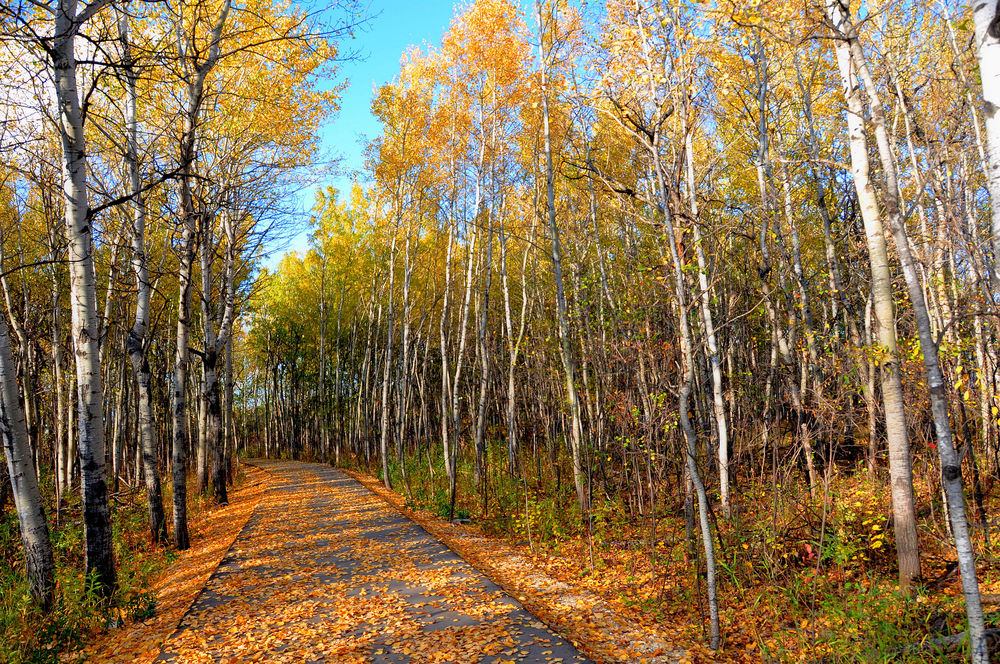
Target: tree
[(68, 19), (987, 34), (901, 473), (853, 60), (138, 336), (24, 480), (547, 24), (195, 67)]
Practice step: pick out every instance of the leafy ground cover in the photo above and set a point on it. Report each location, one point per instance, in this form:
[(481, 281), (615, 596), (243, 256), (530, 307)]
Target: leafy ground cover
[(798, 585), (176, 584), (802, 578), (78, 617), (601, 626), (325, 571)]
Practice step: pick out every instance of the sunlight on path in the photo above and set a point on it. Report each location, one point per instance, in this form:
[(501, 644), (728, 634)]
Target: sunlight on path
[(213, 531), (326, 572)]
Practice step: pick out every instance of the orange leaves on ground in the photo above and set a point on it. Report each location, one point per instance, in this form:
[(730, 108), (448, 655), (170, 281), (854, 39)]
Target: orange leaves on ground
[(212, 533), (325, 571), (552, 588)]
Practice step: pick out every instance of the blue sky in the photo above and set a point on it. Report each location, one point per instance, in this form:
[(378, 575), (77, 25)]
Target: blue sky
[(396, 25)]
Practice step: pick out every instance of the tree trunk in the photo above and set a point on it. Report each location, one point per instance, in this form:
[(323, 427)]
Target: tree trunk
[(24, 481), (711, 342), (99, 558), (900, 470), (987, 24), (195, 73), (484, 362), (179, 403), (950, 462), (562, 315), (386, 370)]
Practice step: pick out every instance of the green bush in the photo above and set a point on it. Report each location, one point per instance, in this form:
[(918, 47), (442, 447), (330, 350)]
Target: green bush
[(866, 621)]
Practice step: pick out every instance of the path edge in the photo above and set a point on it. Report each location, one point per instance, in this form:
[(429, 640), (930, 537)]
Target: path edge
[(222, 558), (535, 607)]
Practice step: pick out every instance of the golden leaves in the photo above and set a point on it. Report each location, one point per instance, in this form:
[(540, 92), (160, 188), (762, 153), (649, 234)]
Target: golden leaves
[(212, 534), (586, 609), (327, 572)]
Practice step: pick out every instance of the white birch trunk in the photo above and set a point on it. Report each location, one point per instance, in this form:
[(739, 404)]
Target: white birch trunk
[(98, 552), (24, 481), (950, 463), (987, 26), (384, 428), (900, 470), (135, 341), (711, 342)]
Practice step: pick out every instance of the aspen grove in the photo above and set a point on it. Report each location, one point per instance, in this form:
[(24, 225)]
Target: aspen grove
[(701, 299)]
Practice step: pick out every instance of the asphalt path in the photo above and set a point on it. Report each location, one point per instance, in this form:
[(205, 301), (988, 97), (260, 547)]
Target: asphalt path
[(326, 571)]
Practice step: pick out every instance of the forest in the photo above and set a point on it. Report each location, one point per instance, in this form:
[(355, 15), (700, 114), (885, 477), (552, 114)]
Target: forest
[(695, 303)]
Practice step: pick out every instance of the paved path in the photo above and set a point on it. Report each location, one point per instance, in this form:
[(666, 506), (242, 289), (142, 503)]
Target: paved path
[(325, 571)]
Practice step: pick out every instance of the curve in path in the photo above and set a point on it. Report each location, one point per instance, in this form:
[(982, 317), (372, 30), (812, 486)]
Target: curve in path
[(325, 571)]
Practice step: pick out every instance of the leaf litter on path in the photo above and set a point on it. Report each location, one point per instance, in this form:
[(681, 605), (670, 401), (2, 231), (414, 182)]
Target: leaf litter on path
[(176, 588), (601, 628), (325, 571)]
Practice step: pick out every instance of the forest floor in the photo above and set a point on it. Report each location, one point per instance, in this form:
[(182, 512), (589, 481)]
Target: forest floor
[(212, 533), (552, 588), (325, 571), (308, 563)]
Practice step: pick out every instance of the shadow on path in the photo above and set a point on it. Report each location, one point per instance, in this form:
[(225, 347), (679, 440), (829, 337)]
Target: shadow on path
[(325, 571)]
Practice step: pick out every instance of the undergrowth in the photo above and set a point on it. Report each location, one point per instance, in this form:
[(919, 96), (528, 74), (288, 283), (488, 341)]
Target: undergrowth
[(29, 636), (802, 578)]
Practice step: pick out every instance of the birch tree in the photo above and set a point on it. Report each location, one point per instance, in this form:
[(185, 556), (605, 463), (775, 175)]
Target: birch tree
[(69, 18), (194, 68), (547, 24), (851, 58), (986, 18), (137, 339), (900, 469), (24, 480)]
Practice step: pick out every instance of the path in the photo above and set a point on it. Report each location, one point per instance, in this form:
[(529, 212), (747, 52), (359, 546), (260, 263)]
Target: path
[(325, 571)]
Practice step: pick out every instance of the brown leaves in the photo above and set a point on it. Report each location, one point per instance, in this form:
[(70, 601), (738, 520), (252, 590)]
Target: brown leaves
[(553, 589)]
